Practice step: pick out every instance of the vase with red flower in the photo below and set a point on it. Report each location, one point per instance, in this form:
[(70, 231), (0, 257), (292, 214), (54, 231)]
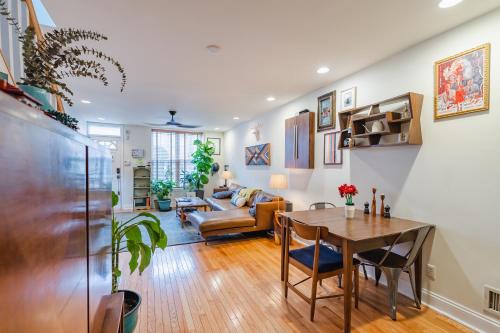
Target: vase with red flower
[(348, 192)]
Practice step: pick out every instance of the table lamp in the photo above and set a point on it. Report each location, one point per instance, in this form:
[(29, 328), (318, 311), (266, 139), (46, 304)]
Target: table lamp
[(226, 175), (278, 182)]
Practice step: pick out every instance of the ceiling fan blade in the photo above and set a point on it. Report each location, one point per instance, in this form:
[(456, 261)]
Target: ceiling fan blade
[(187, 126)]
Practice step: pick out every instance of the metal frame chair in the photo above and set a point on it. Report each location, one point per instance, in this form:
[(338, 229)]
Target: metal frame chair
[(314, 233), (392, 264), (321, 205)]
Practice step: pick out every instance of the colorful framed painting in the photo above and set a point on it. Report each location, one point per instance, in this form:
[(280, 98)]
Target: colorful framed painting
[(348, 99), (462, 83), (332, 155), (327, 111), (258, 155), (216, 142)]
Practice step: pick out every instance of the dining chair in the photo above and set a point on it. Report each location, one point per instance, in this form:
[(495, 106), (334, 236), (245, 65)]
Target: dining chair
[(392, 264), (317, 261), (324, 205), (321, 205)]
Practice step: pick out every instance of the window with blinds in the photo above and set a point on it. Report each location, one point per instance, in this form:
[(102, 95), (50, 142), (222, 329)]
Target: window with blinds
[(171, 154)]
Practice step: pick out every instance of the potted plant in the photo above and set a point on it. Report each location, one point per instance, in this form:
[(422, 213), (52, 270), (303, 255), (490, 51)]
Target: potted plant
[(347, 192), (162, 189), (127, 235), (202, 160), (60, 55)]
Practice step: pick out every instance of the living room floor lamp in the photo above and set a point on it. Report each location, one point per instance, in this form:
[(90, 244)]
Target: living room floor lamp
[(278, 182)]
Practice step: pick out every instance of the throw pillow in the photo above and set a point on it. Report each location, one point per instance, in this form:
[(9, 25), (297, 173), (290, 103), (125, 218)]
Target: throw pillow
[(252, 211), (247, 193), (222, 195), (235, 188), (238, 201)]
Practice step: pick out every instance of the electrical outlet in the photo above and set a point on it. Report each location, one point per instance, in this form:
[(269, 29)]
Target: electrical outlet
[(431, 272)]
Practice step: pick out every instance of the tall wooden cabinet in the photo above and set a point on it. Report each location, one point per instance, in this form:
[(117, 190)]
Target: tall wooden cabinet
[(55, 226), (299, 141)]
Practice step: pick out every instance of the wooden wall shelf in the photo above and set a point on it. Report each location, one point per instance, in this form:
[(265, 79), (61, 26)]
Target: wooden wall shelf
[(397, 119)]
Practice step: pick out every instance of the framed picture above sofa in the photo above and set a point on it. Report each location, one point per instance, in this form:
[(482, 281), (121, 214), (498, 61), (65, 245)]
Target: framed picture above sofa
[(258, 155)]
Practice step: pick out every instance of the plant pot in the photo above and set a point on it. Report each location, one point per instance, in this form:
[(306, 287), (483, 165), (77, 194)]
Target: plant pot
[(164, 205), (200, 193), (349, 211), (39, 94), (132, 303)]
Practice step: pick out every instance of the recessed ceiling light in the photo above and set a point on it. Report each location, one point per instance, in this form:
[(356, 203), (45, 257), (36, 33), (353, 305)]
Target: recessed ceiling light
[(449, 3), (323, 70), (84, 101), (213, 48), (236, 118), (101, 118), (217, 128), (270, 99)]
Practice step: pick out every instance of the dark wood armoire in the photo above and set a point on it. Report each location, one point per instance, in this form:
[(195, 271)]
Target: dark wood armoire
[(299, 141), (55, 226)]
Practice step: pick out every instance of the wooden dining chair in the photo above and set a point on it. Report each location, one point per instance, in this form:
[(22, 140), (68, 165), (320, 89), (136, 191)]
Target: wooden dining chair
[(317, 261), (324, 205), (392, 264)]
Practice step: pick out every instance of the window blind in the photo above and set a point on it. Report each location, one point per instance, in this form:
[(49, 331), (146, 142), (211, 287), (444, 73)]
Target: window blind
[(171, 154)]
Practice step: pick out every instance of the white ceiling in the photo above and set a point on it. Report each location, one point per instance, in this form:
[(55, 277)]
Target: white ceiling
[(269, 47)]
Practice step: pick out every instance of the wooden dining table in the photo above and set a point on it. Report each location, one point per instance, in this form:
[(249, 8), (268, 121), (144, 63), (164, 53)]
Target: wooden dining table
[(362, 233)]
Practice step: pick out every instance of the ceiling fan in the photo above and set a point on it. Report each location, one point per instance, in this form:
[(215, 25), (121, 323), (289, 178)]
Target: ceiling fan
[(172, 122)]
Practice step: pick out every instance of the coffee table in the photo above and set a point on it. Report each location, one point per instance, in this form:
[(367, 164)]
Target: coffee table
[(184, 203)]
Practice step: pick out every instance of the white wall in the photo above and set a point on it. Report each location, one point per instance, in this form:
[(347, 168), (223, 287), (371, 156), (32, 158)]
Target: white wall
[(134, 137), (452, 180)]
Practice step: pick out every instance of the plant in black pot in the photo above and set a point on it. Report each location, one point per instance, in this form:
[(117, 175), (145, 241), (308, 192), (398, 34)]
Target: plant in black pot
[(127, 236), (202, 160), (162, 190)]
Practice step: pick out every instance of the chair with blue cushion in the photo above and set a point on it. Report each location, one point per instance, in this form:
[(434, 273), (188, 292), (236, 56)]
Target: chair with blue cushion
[(318, 261), (393, 264)]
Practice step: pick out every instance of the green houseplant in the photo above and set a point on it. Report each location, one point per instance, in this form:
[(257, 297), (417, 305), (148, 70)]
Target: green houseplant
[(162, 190), (127, 235), (202, 160), (61, 55)]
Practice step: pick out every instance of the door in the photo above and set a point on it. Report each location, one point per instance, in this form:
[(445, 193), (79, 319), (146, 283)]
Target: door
[(114, 144), (290, 135)]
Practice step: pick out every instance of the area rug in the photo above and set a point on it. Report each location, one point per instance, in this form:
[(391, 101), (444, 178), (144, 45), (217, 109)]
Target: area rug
[(170, 223)]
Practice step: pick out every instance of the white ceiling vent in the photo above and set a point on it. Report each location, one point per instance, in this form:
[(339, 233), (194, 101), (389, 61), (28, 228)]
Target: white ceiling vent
[(492, 301)]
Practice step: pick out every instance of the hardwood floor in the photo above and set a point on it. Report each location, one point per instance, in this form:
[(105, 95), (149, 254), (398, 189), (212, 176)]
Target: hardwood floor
[(235, 287)]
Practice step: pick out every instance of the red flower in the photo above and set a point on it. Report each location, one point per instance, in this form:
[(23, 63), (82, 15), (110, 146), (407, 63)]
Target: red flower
[(345, 189)]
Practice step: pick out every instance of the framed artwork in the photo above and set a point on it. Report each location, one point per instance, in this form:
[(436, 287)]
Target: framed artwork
[(138, 153), (258, 155), (332, 155), (216, 142), (462, 83), (348, 99), (327, 111)]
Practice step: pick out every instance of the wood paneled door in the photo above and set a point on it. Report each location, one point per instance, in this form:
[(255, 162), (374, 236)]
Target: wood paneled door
[(299, 141)]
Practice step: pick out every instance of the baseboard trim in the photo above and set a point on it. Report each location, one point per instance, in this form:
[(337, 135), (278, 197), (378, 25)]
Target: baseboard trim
[(459, 313)]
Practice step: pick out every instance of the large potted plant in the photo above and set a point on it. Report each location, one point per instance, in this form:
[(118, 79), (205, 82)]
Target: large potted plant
[(162, 190), (202, 160), (127, 235), (60, 55)]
